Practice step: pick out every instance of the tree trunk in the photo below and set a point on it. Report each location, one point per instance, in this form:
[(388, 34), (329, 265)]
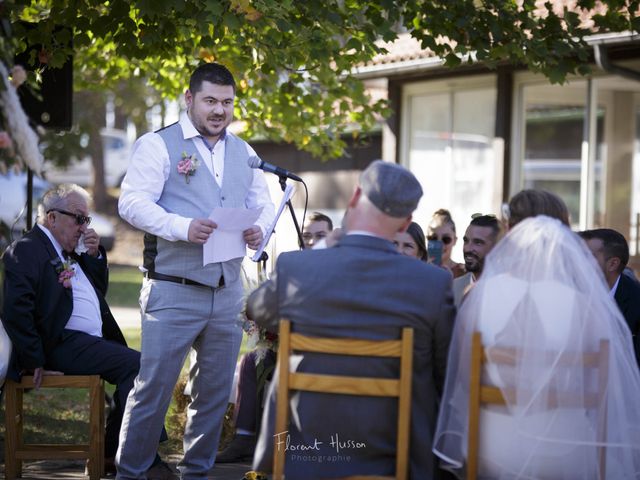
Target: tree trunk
[(93, 114)]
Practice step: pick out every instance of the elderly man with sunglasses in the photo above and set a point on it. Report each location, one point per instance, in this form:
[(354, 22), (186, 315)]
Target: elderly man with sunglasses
[(54, 310)]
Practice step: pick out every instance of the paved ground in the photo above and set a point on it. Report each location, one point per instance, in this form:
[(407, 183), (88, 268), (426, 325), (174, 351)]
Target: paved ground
[(74, 469)]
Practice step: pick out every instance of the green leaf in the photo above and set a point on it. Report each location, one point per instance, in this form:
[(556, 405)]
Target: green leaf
[(452, 60), (231, 20), (214, 7)]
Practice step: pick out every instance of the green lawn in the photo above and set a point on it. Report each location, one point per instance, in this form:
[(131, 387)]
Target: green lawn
[(124, 286)]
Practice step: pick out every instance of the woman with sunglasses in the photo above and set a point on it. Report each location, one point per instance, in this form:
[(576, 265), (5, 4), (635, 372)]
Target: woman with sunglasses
[(411, 242), (443, 228)]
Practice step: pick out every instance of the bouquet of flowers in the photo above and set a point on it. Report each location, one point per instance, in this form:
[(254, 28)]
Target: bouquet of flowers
[(259, 339)]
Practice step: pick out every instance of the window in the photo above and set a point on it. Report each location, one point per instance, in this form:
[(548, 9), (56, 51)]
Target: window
[(449, 145)]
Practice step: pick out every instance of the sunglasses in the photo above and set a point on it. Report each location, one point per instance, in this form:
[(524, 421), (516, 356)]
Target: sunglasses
[(80, 219), (446, 239)]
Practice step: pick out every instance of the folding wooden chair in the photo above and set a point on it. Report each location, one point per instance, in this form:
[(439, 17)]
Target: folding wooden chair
[(346, 385), (484, 394), (16, 450)]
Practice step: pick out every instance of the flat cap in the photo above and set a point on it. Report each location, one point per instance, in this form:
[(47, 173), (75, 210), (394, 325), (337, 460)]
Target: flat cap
[(391, 188)]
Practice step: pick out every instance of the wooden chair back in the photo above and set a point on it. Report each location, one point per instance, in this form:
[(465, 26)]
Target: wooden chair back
[(346, 385), (16, 450), (484, 394)]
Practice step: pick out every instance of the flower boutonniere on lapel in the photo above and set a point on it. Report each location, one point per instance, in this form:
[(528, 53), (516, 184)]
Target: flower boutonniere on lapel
[(64, 270), (188, 165)]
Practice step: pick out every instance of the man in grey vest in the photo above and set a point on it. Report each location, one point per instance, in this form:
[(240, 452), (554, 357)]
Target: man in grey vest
[(176, 178)]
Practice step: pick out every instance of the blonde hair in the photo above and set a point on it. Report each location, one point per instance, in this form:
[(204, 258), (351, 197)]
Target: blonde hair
[(443, 216)]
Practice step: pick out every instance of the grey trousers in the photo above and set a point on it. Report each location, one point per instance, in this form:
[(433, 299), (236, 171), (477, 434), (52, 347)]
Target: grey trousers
[(175, 319)]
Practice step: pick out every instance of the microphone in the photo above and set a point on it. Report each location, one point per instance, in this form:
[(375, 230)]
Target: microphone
[(255, 162)]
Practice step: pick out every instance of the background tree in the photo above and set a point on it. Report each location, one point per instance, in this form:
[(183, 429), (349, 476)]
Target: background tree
[(295, 59)]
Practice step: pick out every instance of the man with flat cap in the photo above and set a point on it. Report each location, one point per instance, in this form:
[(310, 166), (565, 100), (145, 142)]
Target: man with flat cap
[(360, 288)]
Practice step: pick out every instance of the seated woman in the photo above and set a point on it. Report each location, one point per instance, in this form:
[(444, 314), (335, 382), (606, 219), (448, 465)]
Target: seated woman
[(412, 242), (443, 228), (541, 292)]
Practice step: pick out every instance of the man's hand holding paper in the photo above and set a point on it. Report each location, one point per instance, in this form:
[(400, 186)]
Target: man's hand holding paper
[(253, 237), (235, 230), (200, 229)]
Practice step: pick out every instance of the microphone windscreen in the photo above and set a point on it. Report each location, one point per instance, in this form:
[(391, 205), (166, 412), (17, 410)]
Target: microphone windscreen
[(254, 162)]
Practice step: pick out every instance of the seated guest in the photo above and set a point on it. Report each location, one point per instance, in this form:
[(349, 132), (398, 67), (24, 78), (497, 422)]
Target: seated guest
[(481, 236), (539, 292), (55, 312), (360, 288), (531, 202), (316, 229), (443, 228), (411, 242), (254, 371), (611, 251)]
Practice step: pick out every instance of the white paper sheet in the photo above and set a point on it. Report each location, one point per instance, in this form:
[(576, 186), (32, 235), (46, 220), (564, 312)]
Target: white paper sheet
[(226, 241)]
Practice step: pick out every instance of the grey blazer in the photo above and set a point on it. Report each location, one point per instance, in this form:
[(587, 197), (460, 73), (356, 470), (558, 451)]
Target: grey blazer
[(460, 285), (360, 288)]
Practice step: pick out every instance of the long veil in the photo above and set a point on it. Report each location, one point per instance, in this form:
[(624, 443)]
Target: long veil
[(542, 292)]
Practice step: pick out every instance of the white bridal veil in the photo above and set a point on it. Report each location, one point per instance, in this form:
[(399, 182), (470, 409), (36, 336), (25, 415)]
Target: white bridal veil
[(542, 292)]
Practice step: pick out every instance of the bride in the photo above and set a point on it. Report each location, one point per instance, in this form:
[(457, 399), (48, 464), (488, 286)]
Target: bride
[(541, 291)]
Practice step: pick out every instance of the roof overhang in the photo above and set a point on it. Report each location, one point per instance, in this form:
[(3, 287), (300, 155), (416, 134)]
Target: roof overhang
[(410, 66), (397, 68)]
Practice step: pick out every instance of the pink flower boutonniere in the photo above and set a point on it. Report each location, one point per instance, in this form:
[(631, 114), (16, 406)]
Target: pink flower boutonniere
[(65, 271), (188, 165)]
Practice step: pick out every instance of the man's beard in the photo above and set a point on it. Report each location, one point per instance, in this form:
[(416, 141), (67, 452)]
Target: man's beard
[(210, 131), (203, 127), (475, 266)]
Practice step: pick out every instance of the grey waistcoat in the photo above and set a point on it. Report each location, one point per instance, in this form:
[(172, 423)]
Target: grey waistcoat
[(197, 199)]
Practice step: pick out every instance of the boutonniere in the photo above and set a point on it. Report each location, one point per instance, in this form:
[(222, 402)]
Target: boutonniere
[(65, 271), (188, 165), (259, 338)]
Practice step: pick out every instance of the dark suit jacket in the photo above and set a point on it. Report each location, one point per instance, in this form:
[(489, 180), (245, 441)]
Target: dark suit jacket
[(627, 297), (360, 288), (37, 306)]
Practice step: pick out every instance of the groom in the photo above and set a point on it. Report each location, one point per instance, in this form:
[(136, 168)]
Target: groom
[(54, 310)]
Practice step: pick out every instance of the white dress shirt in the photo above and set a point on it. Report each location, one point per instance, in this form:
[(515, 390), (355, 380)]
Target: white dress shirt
[(612, 292), (149, 170), (85, 316)]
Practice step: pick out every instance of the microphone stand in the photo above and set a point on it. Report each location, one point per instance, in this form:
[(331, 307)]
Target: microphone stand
[(262, 267), (283, 186)]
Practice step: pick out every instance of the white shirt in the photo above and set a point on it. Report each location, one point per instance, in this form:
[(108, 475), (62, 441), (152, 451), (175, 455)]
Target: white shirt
[(149, 170), (612, 292), (85, 316)]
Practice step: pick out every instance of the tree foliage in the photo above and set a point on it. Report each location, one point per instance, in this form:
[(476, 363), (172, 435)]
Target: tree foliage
[(294, 59)]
